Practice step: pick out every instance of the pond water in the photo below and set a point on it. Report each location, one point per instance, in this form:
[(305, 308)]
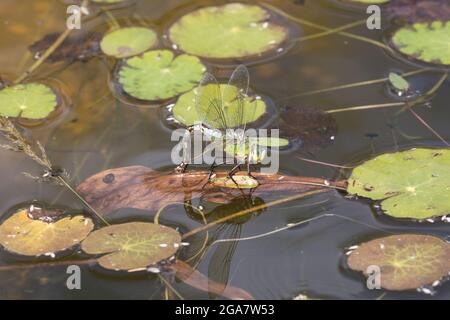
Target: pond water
[(99, 130)]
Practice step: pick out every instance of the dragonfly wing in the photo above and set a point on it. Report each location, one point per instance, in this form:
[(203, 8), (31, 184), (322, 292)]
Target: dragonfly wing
[(220, 263), (209, 103), (234, 95)]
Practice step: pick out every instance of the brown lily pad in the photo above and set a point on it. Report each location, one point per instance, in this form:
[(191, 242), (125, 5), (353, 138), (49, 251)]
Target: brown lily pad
[(143, 188), (26, 236), (407, 261), (418, 10), (82, 46)]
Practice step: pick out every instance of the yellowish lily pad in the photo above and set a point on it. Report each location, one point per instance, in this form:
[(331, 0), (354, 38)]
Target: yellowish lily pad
[(31, 100), (127, 42), (233, 30), (25, 236)]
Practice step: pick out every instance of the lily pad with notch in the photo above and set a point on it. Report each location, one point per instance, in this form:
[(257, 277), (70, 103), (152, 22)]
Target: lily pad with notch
[(406, 261), (426, 42), (159, 75), (31, 101), (185, 112), (411, 184), (21, 234), (128, 42), (233, 30), (132, 246)]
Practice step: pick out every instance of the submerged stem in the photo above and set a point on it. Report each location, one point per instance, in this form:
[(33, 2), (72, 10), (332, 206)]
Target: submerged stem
[(366, 107), (69, 187), (331, 31), (318, 26), (354, 85), (250, 210)]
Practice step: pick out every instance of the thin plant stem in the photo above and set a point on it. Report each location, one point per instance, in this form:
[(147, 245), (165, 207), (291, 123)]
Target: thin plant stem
[(250, 210), (331, 31), (69, 187), (318, 26), (426, 125), (170, 287), (367, 107), (353, 85), (293, 225), (47, 52)]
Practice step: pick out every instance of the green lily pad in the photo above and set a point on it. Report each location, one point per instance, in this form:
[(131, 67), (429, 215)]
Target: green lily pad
[(31, 100), (234, 30), (406, 261), (426, 42), (410, 184), (25, 236), (185, 112), (132, 246), (127, 42), (398, 82), (157, 75)]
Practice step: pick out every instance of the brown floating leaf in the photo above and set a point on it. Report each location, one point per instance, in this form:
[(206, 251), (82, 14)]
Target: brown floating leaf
[(418, 10), (314, 128), (77, 47), (407, 261), (23, 235), (142, 188), (195, 279)]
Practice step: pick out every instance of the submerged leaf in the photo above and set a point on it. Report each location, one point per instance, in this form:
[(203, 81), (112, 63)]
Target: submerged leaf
[(31, 100), (127, 42), (418, 10), (234, 30), (77, 47), (132, 246), (312, 127), (426, 42), (410, 184), (23, 235), (406, 261), (197, 280), (157, 75), (185, 111), (142, 188)]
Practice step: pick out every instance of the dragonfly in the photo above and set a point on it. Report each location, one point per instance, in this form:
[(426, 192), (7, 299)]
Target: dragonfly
[(224, 110)]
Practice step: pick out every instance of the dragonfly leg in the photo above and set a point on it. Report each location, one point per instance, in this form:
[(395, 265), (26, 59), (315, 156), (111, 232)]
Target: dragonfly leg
[(249, 173), (181, 168), (233, 172), (211, 173)]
